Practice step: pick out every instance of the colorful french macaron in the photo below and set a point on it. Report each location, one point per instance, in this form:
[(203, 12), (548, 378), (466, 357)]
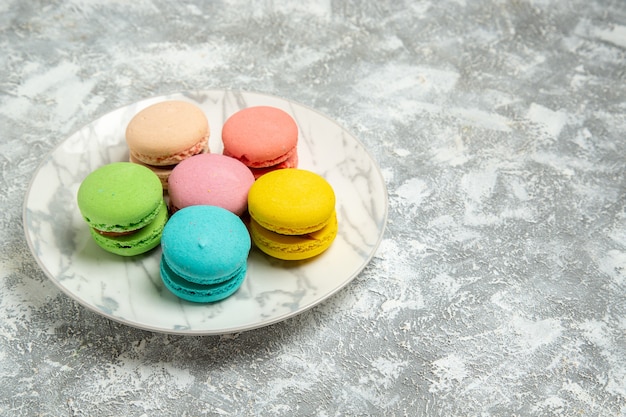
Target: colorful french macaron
[(263, 138), (292, 214), (205, 253), (123, 205), (164, 134), (210, 179)]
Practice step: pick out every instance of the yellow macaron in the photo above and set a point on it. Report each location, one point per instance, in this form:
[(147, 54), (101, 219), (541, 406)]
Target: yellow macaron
[(292, 214)]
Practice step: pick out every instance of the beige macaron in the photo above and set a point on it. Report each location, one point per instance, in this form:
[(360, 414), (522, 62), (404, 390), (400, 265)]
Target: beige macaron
[(167, 132)]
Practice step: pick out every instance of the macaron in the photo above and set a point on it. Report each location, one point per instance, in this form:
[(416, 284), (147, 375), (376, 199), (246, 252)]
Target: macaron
[(165, 133), (210, 179), (292, 214), (264, 138), (123, 205), (204, 253)]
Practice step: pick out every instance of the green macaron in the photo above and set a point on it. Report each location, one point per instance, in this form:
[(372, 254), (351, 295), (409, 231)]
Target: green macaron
[(123, 204)]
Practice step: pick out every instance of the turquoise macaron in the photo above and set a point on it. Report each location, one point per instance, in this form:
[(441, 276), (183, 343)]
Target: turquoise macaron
[(204, 253)]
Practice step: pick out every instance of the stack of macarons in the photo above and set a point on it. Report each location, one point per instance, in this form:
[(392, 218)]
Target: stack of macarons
[(215, 205), (123, 204), (166, 133)]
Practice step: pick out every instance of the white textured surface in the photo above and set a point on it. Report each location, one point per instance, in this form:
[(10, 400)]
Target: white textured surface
[(499, 287)]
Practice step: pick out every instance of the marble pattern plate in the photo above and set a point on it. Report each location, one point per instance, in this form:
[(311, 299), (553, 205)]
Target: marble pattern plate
[(130, 291)]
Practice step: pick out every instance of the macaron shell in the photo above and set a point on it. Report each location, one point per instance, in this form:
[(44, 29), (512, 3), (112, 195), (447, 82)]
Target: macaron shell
[(205, 244), (200, 293), (167, 132), (210, 179), (119, 197), (291, 201), (136, 243), (260, 136), (294, 247)]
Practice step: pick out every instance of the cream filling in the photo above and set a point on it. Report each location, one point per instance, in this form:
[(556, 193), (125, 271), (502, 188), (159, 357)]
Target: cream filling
[(172, 159), (261, 164)]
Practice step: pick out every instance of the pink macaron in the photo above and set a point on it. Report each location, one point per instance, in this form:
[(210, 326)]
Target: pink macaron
[(263, 138), (210, 179)]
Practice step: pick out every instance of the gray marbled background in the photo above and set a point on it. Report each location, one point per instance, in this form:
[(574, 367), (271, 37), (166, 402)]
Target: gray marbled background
[(500, 285)]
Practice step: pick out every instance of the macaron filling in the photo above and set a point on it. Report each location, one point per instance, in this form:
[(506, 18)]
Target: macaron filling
[(137, 242), (191, 275), (124, 229), (290, 247), (172, 159), (246, 160), (115, 234), (291, 162), (289, 231)]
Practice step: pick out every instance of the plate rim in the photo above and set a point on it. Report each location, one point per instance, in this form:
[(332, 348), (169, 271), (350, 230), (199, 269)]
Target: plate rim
[(203, 332)]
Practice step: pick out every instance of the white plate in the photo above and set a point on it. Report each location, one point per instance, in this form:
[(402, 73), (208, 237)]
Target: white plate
[(129, 290)]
